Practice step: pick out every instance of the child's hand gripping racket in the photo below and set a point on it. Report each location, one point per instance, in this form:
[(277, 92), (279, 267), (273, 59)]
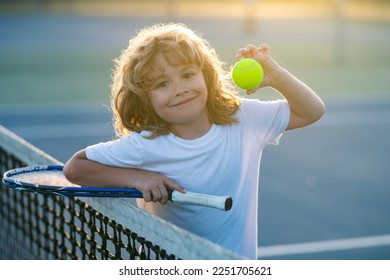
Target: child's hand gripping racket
[(49, 179)]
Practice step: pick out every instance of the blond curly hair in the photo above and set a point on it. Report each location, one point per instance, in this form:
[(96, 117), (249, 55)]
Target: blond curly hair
[(131, 107)]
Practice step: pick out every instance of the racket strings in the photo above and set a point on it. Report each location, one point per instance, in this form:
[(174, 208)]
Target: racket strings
[(47, 177)]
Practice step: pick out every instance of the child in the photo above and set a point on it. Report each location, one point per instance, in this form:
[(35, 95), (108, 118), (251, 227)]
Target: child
[(182, 127)]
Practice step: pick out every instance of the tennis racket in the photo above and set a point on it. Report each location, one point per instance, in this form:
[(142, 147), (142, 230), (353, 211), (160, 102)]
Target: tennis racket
[(50, 180)]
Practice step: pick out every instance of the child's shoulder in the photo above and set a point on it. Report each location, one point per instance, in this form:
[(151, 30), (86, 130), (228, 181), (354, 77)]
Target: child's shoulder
[(253, 103), (248, 103), (262, 109)]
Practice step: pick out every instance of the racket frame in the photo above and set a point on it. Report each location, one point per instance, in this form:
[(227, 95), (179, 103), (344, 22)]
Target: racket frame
[(224, 203)]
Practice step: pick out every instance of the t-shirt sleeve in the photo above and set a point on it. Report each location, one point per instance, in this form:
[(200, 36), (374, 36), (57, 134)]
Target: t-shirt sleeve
[(267, 119), (123, 152)]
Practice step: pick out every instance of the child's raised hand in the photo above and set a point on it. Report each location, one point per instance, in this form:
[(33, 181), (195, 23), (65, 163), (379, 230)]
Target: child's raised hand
[(251, 51), (261, 54)]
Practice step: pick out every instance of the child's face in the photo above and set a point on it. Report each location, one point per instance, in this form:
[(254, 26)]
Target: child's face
[(178, 93)]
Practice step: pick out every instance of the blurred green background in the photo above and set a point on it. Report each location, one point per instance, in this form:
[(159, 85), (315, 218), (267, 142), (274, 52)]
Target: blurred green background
[(339, 47)]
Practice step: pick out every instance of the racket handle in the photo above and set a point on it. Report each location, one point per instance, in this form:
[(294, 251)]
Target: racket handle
[(223, 203)]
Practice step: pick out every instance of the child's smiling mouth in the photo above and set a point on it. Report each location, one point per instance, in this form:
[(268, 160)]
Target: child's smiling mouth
[(183, 101)]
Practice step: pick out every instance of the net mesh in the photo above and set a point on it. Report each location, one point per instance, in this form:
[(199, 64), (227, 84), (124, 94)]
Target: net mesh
[(35, 226)]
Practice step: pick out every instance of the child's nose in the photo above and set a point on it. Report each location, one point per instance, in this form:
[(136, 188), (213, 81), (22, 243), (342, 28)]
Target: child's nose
[(180, 89)]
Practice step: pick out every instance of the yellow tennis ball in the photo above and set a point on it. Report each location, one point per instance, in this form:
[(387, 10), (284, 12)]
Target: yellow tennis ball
[(247, 74)]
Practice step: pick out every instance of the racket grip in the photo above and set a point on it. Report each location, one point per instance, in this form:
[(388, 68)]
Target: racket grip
[(223, 203)]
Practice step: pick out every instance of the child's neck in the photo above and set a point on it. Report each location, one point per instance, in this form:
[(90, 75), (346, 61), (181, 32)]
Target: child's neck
[(191, 131)]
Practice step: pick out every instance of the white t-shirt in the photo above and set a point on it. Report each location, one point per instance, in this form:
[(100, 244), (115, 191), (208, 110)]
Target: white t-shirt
[(224, 161)]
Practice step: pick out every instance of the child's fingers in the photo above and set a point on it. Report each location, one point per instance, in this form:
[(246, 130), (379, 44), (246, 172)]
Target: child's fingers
[(156, 194), (163, 190), (263, 49), (248, 51), (249, 92), (240, 53), (147, 195), (172, 185), (251, 51), (154, 186), (159, 192)]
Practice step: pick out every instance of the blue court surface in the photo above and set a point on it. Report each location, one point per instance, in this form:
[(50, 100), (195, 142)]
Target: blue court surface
[(324, 190)]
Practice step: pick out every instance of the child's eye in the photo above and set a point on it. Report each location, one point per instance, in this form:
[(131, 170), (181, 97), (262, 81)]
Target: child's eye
[(188, 75), (162, 84)]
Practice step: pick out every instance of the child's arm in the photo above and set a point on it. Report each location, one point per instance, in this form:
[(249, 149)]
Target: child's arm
[(82, 171), (305, 106)]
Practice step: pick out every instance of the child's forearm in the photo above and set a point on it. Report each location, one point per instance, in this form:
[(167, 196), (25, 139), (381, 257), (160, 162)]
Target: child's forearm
[(81, 171), (153, 185), (305, 106)]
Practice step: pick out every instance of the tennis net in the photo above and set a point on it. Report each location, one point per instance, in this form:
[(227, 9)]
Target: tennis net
[(37, 226)]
